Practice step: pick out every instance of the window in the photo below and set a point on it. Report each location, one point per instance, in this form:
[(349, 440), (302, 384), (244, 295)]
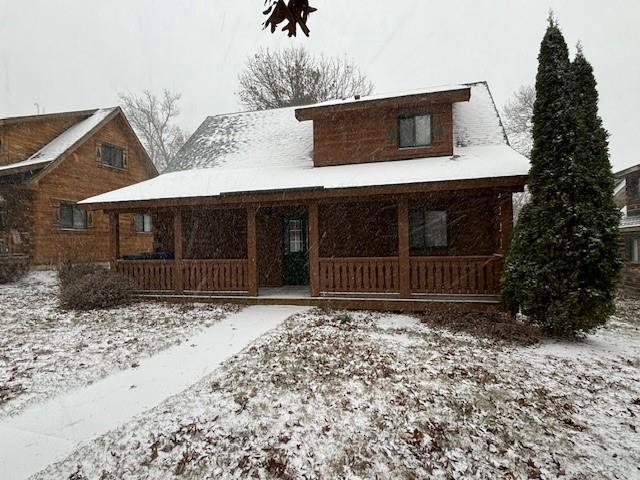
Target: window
[(4, 213), (143, 223), (112, 156), (428, 228), (633, 245), (295, 236), (634, 187), (414, 131), (72, 217)]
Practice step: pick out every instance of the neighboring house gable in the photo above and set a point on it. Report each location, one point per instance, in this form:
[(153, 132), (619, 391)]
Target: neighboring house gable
[(98, 153)]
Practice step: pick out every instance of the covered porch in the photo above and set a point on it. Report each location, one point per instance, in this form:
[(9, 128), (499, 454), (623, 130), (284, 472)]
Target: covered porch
[(387, 251)]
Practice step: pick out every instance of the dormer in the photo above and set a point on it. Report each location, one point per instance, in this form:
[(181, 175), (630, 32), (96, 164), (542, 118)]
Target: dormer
[(410, 125)]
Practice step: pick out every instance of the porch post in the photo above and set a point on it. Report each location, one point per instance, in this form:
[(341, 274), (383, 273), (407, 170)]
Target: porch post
[(314, 250), (252, 253), (178, 284), (506, 221), (114, 238), (404, 264)]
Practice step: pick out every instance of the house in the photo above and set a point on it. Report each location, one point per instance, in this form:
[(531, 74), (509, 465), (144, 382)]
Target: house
[(48, 163), (627, 196), (397, 202)]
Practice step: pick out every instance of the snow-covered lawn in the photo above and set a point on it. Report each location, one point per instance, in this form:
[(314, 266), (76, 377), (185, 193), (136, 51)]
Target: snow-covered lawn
[(362, 395), (45, 351)]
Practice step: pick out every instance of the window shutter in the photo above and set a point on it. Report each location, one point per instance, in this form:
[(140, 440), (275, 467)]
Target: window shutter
[(98, 153), (89, 219), (124, 159)]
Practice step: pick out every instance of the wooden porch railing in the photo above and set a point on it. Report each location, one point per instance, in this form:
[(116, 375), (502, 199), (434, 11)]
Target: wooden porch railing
[(456, 275), (215, 275), (197, 275), (368, 275), (148, 275)]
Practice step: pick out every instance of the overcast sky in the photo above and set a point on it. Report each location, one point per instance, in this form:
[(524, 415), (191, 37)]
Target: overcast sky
[(77, 54)]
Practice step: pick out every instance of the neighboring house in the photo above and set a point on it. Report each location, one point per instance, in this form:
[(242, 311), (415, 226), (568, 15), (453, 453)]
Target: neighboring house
[(392, 202), (627, 195), (48, 163)]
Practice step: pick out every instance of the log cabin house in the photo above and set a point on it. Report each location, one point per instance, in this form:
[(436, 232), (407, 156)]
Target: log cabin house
[(395, 202), (627, 197), (47, 164)]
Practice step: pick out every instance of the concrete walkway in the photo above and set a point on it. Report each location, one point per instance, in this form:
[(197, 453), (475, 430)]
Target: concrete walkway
[(49, 431)]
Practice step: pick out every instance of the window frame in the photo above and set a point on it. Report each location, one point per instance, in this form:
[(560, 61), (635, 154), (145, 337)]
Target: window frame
[(632, 250), (84, 215), (143, 216), (421, 229), (108, 146), (413, 117)]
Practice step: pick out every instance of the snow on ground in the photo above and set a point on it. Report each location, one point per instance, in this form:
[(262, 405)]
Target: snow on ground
[(362, 395), (50, 431), (45, 351)]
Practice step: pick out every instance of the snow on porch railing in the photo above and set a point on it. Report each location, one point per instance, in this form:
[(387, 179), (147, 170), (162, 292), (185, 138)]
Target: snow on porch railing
[(368, 275), (456, 275)]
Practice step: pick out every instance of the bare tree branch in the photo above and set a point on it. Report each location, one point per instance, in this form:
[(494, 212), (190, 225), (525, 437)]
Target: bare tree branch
[(518, 115), (152, 118), (294, 77)]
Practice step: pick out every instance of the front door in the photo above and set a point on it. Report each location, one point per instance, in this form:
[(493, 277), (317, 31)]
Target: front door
[(295, 265)]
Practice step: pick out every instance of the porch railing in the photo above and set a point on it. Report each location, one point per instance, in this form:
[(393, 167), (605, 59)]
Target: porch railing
[(148, 275), (215, 275), (368, 275), (197, 275), (456, 275)]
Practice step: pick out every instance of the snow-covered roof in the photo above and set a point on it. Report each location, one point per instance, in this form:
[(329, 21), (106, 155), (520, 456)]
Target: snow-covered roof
[(628, 222), (61, 144), (275, 138), (271, 151), (387, 96), (477, 162), (267, 138), (620, 187)]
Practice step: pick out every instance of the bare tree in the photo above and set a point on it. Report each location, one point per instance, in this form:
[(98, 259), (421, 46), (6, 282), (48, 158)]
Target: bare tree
[(293, 77), (518, 115), (153, 119), (518, 122)]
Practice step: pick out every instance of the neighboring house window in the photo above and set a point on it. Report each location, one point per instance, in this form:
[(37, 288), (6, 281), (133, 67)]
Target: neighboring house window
[(72, 217), (414, 131), (112, 156), (634, 187), (143, 223), (428, 228), (633, 245), (4, 213)]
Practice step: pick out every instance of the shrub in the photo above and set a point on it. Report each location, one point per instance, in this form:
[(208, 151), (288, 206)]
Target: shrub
[(495, 325), (12, 270), (86, 287)]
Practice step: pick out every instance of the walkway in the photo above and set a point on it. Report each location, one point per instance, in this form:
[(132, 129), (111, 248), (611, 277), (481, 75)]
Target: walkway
[(49, 431)]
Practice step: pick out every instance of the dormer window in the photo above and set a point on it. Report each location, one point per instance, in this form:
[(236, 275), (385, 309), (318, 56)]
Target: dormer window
[(414, 131), (633, 188)]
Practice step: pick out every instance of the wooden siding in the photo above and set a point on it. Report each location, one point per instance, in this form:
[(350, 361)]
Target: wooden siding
[(76, 177), (456, 275), (372, 135), (366, 275), (21, 140)]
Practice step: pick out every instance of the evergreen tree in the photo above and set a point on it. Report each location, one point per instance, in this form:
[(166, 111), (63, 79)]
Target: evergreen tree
[(562, 267)]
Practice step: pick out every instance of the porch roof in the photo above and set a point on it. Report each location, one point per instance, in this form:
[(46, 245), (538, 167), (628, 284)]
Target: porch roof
[(467, 163)]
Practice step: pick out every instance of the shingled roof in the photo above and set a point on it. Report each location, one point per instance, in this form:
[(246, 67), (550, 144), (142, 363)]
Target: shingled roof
[(271, 150), (274, 138)]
